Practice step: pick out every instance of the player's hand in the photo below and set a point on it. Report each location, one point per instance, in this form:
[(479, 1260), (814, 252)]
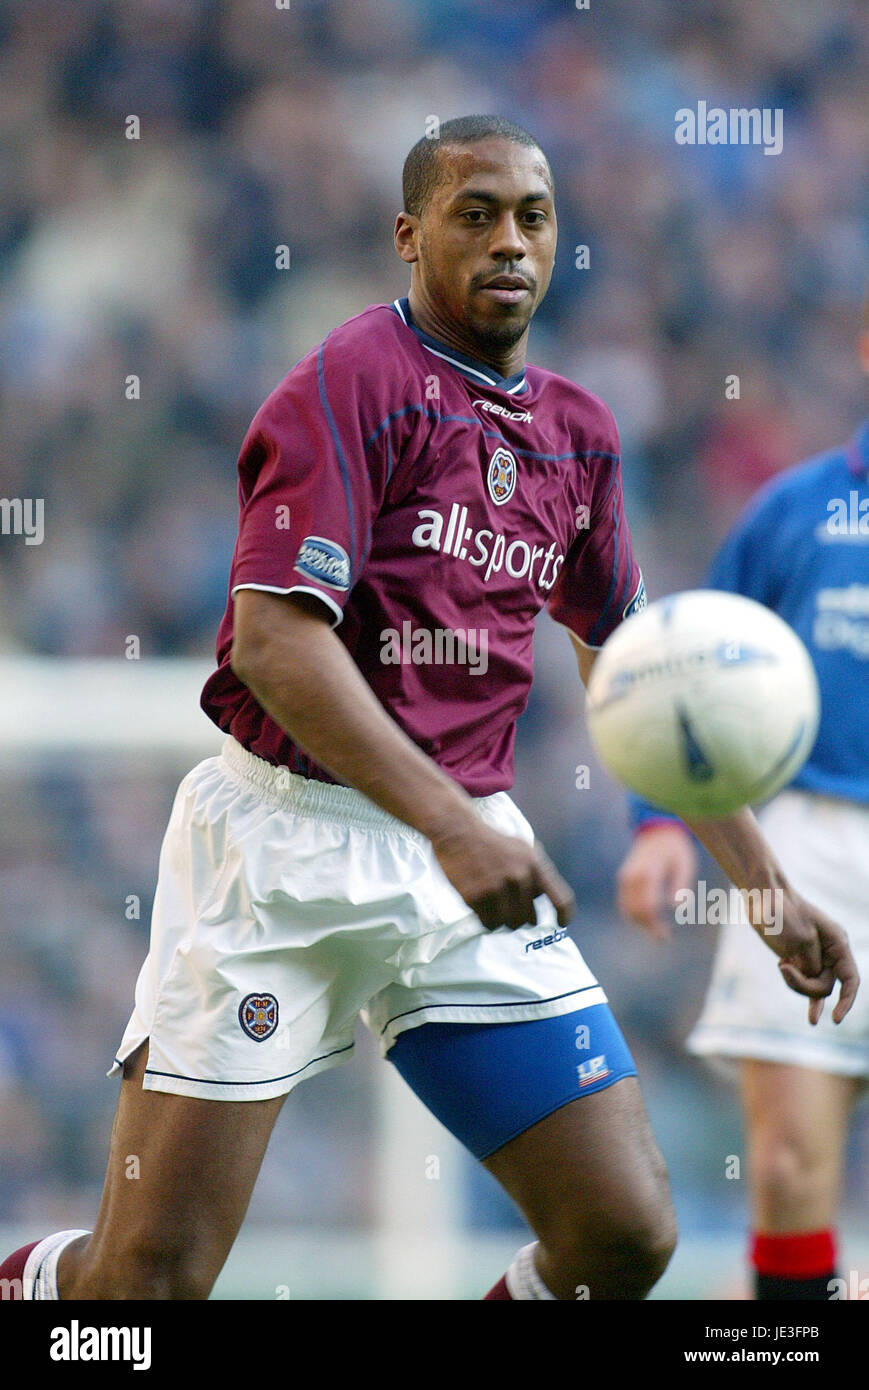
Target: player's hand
[(813, 954), (661, 860), (499, 876)]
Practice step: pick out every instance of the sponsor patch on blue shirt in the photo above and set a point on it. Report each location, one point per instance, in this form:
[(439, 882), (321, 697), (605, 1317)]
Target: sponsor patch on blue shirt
[(325, 561)]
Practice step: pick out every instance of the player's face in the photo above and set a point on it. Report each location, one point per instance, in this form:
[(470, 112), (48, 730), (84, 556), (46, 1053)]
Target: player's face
[(484, 247)]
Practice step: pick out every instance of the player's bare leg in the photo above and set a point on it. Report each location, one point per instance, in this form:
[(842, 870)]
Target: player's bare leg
[(168, 1220), (797, 1121), (591, 1182)]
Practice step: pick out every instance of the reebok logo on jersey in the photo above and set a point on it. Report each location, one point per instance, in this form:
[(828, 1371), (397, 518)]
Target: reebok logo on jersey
[(493, 408), (486, 548), (325, 561)]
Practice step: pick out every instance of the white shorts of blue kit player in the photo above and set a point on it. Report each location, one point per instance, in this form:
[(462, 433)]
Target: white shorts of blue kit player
[(823, 846), (286, 907)]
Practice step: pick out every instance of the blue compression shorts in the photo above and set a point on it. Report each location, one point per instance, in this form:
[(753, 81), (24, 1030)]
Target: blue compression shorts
[(487, 1082)]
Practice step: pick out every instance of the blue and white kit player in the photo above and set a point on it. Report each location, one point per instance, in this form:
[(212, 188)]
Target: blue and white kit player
[(802, 549)]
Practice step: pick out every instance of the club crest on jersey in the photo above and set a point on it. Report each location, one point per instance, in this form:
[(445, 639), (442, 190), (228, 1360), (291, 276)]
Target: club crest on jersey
[(501, 477), (325, 561), (258, 1016)]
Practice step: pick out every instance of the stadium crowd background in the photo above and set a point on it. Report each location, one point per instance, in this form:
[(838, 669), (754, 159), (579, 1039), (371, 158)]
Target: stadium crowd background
[(156, 256)]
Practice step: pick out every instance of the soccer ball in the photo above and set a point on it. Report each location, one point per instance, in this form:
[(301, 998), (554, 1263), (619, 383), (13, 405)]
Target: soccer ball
[(703, 702)]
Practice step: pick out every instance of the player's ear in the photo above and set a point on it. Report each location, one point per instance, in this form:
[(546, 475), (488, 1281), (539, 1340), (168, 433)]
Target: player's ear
[(405, 236)]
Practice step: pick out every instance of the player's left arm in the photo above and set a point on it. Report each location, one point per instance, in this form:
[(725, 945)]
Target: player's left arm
[(813, 951), (585, 657)]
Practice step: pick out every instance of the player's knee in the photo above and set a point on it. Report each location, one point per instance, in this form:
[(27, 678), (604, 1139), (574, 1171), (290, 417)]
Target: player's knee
[(617, 1262), (621, 1251), (645, 1227), (638, 1250), (784, 1168), (654, 1246)]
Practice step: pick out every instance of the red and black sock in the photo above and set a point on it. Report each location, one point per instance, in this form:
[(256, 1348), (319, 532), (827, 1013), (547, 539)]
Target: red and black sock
[(796, 1266), (521, 1280)]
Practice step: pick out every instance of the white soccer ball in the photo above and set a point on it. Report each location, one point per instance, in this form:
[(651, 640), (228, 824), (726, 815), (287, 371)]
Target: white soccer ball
[(703, 702)]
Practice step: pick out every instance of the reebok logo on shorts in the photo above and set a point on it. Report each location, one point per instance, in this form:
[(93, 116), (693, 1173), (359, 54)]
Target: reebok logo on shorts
[(554, 936), (258, 1016)]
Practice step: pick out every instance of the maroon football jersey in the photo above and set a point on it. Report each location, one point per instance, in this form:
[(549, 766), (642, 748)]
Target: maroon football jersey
[(434, 507)]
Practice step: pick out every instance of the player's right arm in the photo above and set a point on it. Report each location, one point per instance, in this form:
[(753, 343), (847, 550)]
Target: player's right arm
[(286, 653)]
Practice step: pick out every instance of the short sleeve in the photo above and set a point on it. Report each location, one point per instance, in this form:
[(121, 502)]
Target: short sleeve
[(311, 482), (600, 583)]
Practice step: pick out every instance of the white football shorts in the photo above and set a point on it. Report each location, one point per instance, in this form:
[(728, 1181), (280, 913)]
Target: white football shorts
[(286, 907), (822, 844)]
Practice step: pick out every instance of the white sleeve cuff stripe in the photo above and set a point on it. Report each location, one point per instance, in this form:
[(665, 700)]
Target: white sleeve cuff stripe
[(294, 589)]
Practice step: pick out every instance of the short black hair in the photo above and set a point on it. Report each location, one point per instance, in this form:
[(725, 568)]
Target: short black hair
[(422, 167)]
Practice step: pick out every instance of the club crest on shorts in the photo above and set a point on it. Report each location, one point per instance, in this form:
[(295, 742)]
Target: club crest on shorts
[(501, 477), (258, 1016)]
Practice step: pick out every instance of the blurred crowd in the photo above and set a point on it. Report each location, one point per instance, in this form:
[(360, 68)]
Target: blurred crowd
[(154, 258)]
